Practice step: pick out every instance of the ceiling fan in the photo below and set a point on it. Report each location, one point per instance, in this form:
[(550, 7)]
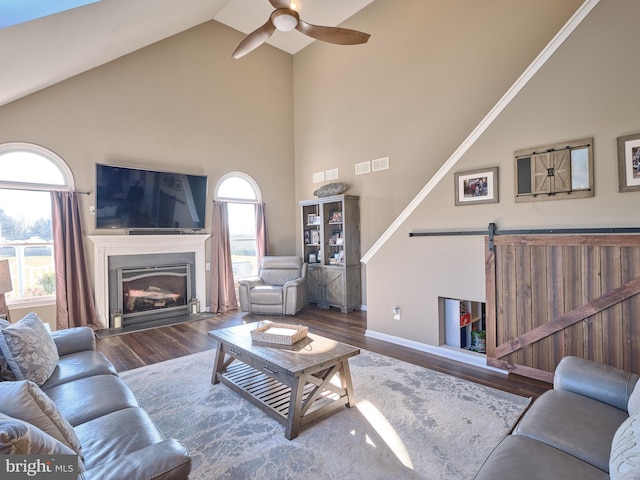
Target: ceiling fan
[(285, 19)]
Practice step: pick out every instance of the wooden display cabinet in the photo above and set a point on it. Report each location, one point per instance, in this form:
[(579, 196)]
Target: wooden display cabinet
[(331, 246)]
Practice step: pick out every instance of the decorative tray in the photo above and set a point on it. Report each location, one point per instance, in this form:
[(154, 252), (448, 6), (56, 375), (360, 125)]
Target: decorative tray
[(280, 333)]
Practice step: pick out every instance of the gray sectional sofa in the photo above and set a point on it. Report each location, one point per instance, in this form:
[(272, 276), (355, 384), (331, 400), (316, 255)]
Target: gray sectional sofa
[(71, 401), (587, 427)]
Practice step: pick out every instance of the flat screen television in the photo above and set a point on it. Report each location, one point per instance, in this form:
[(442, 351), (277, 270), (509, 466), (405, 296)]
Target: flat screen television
[(134, 198)]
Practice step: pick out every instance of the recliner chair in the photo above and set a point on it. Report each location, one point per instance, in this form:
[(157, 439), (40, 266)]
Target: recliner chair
[(279, 288)]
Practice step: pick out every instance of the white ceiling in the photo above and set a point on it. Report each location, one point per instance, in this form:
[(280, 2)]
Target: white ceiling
[(42, 52)]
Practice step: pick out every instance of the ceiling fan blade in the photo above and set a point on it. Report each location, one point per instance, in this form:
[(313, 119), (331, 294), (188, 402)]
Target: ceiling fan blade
[(280, 4), (337, 35), (254, 39)]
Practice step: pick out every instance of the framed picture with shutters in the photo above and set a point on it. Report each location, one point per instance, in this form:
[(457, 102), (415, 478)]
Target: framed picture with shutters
[(556, 171)]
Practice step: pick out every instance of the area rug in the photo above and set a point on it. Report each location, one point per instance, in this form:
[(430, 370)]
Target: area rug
[(409, 423)]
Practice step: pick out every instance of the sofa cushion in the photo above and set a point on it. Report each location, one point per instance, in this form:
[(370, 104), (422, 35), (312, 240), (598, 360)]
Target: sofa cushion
[(23, 400), (266, 295), (522, 458), (87, 398), (624, 463), (278, 270), (167, 460), (79, 365), (568, 421), (104, 441), (29, 349)]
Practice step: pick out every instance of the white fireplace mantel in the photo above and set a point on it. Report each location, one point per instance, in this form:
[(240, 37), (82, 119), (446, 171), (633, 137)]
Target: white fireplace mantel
[(105, 246)]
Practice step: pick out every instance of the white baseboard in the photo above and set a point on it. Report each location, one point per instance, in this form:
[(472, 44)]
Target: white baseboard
[(457, 354)]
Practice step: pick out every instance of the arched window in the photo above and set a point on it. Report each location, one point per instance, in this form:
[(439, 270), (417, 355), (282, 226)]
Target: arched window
[(242, 195), (28, 173)]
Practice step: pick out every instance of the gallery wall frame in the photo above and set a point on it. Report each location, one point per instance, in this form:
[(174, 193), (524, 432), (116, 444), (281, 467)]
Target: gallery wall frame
[(629, 163), (473, 187)]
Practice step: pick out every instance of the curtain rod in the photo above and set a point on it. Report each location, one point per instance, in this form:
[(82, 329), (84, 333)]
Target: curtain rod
[(35, 187)]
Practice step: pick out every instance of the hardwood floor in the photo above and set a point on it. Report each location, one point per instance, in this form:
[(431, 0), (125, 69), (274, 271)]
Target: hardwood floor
[(146, 347)]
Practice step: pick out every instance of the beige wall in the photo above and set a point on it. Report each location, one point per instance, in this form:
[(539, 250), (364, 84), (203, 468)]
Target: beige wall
[(430, 72), (587, 88), (182, 104)]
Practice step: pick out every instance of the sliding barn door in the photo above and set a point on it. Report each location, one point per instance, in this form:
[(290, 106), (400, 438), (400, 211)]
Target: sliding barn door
[(549, 296)]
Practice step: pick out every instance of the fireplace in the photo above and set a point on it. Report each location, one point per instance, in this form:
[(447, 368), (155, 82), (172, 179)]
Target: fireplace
[(152, 293), (150, 287), (163, 271)]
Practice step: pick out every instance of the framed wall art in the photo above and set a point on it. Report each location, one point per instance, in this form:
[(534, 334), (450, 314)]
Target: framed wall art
[(629, 163), (473, 187)]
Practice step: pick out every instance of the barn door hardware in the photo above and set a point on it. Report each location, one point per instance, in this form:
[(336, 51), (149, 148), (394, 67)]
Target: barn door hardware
[(492, 231)]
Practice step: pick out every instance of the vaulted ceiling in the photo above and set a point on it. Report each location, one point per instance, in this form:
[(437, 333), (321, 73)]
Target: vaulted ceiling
[(40, 52)]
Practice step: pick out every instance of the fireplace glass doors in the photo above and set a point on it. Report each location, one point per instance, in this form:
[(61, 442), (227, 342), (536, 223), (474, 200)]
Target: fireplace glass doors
[(153, 292)]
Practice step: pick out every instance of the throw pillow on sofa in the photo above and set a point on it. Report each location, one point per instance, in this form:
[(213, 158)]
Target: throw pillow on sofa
[(21, 438), (29, 349), (25, 401), (624, 462)]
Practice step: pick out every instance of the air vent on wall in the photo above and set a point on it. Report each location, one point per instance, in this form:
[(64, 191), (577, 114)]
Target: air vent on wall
[(318, 177), (362, 168), (332, 174), (380, 164)]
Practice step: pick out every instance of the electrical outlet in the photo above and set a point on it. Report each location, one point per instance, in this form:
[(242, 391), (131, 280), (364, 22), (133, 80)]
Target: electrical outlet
[(396, 313), (207, 266), (92, 210)]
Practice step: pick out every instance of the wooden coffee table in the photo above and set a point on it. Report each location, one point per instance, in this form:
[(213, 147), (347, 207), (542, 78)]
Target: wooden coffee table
[(293, 384)]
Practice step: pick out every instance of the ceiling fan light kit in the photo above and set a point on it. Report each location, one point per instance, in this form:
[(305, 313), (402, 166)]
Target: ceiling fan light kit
[(284, 18)]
